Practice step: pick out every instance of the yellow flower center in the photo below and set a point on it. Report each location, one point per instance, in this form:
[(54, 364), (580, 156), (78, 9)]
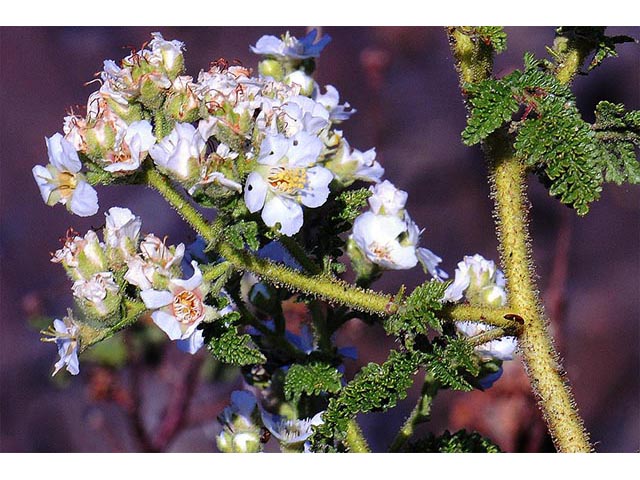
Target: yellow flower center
[(187, 307), (288, 180), (67, 183)]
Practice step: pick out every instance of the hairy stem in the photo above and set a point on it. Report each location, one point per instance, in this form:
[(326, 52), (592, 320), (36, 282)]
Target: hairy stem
[(508, 183), (355, 439)]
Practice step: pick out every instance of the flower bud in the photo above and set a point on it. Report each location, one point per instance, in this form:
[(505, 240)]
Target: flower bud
[(239, 442), (82, 257), (182, 104), (304, 81), (271, 68), (98, 296)]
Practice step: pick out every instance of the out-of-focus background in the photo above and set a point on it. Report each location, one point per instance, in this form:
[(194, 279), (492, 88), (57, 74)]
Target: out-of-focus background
[(403, 84)]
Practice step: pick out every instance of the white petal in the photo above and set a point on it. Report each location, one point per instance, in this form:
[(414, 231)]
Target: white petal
[(402, 258), (317, 190), (255, 192), (73, 364), (192, 283), (285, 211), (273, 148), (62, 155), (168, 324), (305, 150), (143, 132), (156, 298), (42, 176), (84, 201), (191, 344)]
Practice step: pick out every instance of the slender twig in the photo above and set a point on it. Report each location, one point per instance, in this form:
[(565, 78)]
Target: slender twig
[(420, 413)]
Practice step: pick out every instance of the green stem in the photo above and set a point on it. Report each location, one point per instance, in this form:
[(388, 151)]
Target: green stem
[(355, 439), (323, 286), (420, 413), (90, 336), (502, 317), (508, 183)]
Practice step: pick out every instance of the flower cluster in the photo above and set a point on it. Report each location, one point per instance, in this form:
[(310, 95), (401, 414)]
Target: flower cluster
[(102, 270), (225, 133), (386, 237)]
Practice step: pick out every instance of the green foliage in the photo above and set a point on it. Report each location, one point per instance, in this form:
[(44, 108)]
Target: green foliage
[(111, 352), (494, 36), (227, 344), (375, 388), (243, 233), (458, 442), (619, 134), (311, 379), (419, 310), (572, 156), (450, 363)]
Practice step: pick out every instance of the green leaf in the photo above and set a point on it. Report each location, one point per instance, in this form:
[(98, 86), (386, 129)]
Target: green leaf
[(312, 379), (458, 442), (449, 363), (227, 344), (375, 388), (492, 105), (494, 36), (243, 233), (618, 133), (419, 310)]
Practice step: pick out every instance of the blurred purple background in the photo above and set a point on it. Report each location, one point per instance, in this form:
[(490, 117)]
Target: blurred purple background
[(403, 84)]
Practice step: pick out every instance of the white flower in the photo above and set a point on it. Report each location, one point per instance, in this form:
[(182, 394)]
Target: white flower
[(378, 236), (155, 264), (240, 433), (61, 180), (137, 140), (65, 334), (330, 100), (290, 432), (179, 152), (479, 281), (349, 165), (300, 113), (122, 230), (98, 294), (180, 309), (117, 83), (386, 199), (291, 47), (501, 348), (286, 178)]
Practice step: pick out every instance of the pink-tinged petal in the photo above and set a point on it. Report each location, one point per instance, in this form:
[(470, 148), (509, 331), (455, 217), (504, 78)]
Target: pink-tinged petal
[(168, 324), (255, 192), (273, 148), (84, 201), (284, 211), (191, 344), (190, 284), (317, 190), (156, 298)]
